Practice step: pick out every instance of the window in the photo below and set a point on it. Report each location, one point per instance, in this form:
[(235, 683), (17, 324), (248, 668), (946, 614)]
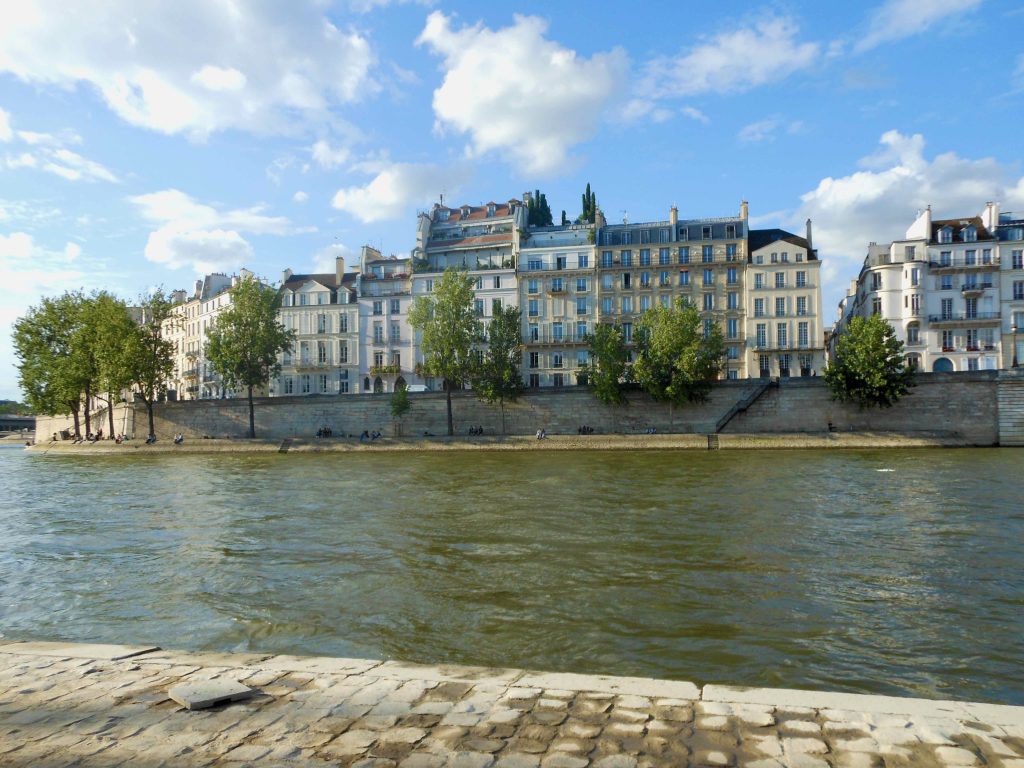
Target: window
[(343, 323), (495, 307), (1018, 289), (1018, 259), (707, 254), (627, 280), (785, 257), (584, 260), (947, 341), (581, 285), (784, 361), (945, 258), (663, 280), (606, 258), (970, 234), (582, 358), (946, 283), (478, 307), (759, 280), (709, 302), (684, 254), (627, 332), (775, 258), (731, 276), (556, 285), (428, 286), (378, 307), (972, 363), (533, 308), (758, 307), (730, 252), (378, 333), (322, 382), (780, 306), (558, 380), (396, 331), (781, 332), (556, 331), (730, 231), (684, 277), (289, 386), (970, 257), (627, 305), (908, 252), (581, 330), (606, 281), (947, 309), (606, 306), (342, 352), (801, 305), (915, 276), (780, 279), (732, 329), (732, 300), (321, 352), (762, 335), (321, 297), (709, 277), (946, 235), (664, 300), (759, 259), (764, 365), (535, 359), (645, 257), (803, 334), (304, 381), (534, 332), (479, 284), (664, 256), (378, 359), (534, 379), (972, 339), (626, 258), (303, 300), (876, 306), (801, 279), (321, 324), (559, 263), (645, 303), (533, 286), (645, 279), (915, 304), (533, 265), (876, 281), (913, 334), (705, 233)]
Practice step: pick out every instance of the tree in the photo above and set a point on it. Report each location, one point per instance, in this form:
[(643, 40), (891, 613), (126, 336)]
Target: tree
[(589, 214), (678, 354), (607, 371), (869, 368), (147, 357), (449, 331), (245, 341), (399, 406), (106, 327), (538, 213), (498, 378), (48, 347)]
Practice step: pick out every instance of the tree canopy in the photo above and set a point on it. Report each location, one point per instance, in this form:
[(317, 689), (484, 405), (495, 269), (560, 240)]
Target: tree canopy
[(244, 343), (869, 368), (498, 377), (538, 212), (589, 214), (608, 356), (678, 355), (449, 332), (147, 357)]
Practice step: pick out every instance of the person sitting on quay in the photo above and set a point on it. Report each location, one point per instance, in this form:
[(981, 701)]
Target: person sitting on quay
[(151, 440), (375, 434), (541, 434), (179, 439), (364, 436)]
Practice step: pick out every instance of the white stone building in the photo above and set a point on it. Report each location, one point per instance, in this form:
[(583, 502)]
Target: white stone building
[(386, 353)]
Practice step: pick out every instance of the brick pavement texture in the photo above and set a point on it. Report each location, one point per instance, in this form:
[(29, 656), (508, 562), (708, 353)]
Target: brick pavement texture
[(81, 705)]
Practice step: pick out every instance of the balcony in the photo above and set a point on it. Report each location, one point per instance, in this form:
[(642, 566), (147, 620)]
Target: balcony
[(962, 318), (971, 290), (557, 289), (962, 263), (547, 338)]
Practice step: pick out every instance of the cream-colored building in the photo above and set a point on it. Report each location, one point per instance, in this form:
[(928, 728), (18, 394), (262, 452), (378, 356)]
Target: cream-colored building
[(558, 298), (323, 311), (785, 334), (386, 339)]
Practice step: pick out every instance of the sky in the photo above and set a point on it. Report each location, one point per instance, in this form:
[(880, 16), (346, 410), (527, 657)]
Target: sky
[(144, 145)]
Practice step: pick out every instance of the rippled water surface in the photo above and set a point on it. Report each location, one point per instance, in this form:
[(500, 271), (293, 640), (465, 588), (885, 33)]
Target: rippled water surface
[(787, 568)]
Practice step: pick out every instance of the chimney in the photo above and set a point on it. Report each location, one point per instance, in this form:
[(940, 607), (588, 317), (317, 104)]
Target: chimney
[(339, 269), (990, 216), (810, 246), (285, 276), (599, 220), (673, 216), (745, 211), (199, 289), (526, 198)]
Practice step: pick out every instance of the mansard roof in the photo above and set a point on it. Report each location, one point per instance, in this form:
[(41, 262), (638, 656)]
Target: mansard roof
[(958, 226), (476, 212), (759, 238)]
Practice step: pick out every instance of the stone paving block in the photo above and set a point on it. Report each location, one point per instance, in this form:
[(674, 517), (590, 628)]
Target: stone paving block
[(564, 761), (402, 670), (621, 685), (956, 756), (616, 761), (854, 702), (470, 760), (517, 761), (78, 650)]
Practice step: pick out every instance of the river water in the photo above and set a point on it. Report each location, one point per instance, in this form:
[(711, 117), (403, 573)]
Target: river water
[(896, 572)]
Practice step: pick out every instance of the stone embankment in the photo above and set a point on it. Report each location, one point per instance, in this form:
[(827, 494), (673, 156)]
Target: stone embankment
[(859, 440), (101, 705)]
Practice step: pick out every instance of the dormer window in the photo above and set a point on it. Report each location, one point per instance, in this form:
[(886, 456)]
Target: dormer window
[(946, 235), (442, 214), (490, 209), (970, 234), (465, 211)]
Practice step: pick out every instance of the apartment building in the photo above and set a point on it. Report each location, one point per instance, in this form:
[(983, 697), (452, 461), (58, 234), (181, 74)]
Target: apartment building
[(558, 297), (701, 260), (946, 290), (782, 296), (1010, 234), (323, 310), (386, 343), (484, 240)]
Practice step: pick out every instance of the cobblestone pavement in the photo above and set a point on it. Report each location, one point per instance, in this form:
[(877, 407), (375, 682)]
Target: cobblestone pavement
[(89, 705)]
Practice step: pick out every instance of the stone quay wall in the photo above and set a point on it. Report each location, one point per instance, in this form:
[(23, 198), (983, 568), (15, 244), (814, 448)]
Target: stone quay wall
[(979, 408)]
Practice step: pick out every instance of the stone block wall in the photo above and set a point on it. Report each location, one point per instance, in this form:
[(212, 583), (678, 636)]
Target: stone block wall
[(1011, 407), (954, 404)]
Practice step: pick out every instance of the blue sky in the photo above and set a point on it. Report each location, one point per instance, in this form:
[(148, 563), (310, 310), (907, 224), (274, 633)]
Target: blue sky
[(139, 150)]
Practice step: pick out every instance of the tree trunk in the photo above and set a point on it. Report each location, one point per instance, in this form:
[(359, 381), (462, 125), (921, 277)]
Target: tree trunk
[(110, 415), (502, 400), (88, 416), (149, 411), (74, 414), (252, 416), (448, 393)]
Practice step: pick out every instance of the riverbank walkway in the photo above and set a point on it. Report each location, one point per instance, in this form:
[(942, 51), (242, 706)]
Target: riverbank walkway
[(67, 704)]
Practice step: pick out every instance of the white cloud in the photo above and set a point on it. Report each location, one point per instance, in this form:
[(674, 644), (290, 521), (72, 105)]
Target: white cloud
[(881, 201), (300, 197), (1017, 80), (6, 134), (897, 19), (325, 260), (49, 154), (29, 270), (695, 114), (327, 156), (516, 92), (745, 58), (397, 187), (191, 66), (768, 129), (365, 6), (190, 233)]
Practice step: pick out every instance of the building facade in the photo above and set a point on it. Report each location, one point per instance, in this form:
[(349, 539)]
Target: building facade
[(384, 289)]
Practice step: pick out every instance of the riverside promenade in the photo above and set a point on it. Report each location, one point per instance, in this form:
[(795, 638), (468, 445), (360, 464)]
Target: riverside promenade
[(65, 704)]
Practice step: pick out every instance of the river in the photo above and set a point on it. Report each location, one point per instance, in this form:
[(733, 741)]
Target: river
[(895, 572)]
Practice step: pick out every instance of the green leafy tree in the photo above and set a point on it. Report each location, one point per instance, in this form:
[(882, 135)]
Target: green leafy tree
[(147, 357), (589, 214), (498, 378), (449, 331), (678, 357), (538, 212), (607, 371), (244, 343), (107, 324), (51, 371), (869, 368), (399, 406)]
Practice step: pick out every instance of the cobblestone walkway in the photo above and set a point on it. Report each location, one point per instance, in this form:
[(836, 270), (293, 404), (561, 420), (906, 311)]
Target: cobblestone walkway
[(90, 705)]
